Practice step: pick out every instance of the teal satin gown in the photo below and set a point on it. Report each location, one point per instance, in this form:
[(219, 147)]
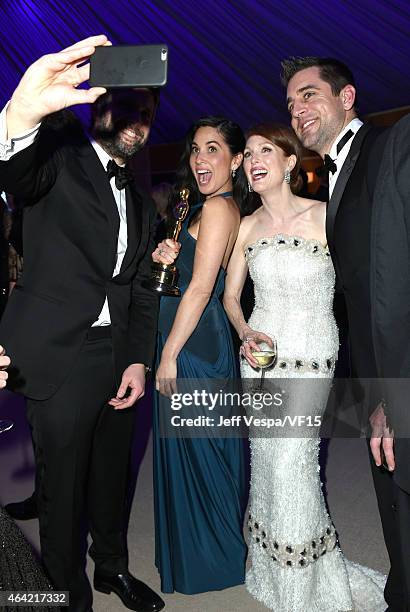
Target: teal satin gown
[(200, 484)]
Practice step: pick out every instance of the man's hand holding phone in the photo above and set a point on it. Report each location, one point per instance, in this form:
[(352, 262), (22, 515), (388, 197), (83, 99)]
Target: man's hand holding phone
[(50, 84), (136, 66)]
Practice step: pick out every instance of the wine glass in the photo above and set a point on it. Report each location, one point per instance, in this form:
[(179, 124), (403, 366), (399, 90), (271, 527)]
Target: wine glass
[(265, 356), (5, 425)]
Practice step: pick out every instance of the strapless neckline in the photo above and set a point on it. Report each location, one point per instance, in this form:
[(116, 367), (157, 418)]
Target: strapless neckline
[(288, 239)]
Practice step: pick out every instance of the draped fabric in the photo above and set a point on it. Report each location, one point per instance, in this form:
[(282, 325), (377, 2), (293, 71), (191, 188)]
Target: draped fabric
[(224, 54), (200, 491)]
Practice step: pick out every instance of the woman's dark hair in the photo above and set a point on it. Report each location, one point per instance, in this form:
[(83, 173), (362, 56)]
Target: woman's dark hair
[(233, 137), (284, 138)]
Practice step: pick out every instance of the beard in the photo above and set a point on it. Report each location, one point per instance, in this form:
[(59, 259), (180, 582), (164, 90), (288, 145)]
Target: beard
[(110, 137), (314, 142), (322, 138)]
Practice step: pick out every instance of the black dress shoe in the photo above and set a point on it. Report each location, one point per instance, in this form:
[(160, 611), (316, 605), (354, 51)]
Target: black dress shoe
[(133, 593), (24, 510)]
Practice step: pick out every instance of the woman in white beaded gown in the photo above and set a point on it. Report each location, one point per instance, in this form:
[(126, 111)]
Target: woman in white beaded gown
[(297, 565)]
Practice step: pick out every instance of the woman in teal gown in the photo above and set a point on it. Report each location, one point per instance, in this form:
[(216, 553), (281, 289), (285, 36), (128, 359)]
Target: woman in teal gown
[(200, 483)]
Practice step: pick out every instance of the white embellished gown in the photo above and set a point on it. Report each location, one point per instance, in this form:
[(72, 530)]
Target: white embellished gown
[(296, 564)]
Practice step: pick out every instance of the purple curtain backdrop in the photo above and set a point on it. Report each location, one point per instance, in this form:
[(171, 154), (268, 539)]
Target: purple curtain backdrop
[(224, 55)]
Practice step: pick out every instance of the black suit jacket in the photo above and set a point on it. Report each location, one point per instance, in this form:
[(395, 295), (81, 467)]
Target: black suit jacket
[(390, 289), (70, 234), (348, 228)]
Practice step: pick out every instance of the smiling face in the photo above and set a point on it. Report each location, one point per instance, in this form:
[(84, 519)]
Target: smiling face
[(212, 162), (122, 121), (265, 164), (318, 116)]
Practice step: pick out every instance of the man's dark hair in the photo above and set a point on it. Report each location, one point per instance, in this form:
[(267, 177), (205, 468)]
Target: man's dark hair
[(331, 70), (99, 106), (156, 94)]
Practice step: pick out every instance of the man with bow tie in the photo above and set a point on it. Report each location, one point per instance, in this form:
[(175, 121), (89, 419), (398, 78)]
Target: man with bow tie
[(321, 99), (79, 327)]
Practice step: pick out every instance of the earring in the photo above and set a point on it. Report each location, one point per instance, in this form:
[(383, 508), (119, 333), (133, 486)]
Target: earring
[(286, 177), (233, 172), (250, 187)]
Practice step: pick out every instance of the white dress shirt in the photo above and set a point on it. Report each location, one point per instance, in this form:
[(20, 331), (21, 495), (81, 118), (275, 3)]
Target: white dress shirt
[(119, 195), (9, 148), (340, 159)]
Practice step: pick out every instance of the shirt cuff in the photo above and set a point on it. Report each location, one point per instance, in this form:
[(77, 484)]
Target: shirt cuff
[(12, 146)]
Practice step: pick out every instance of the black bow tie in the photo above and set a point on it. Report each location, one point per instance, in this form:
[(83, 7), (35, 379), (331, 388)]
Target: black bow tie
[(123, 176), (329, 164)]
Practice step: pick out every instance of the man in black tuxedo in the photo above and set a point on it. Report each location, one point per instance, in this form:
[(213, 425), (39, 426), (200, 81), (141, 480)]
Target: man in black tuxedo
[(321, 100), (79, 327), (390, 292)]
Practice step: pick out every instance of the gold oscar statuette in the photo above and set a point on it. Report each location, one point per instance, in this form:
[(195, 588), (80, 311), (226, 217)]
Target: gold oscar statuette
[(164, 277)]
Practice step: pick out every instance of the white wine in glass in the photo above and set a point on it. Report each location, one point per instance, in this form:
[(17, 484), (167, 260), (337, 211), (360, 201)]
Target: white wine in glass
[(265, 358), (5, 425)]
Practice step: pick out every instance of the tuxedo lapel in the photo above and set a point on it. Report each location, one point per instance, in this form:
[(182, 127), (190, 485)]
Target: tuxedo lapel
[(342, 180), (135, 212), (98, 178)]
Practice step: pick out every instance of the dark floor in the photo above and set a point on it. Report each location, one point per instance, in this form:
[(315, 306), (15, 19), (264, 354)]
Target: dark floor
[(350, 496)]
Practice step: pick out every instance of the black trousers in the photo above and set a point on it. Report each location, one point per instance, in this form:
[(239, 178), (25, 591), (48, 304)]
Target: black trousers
[(394, 508), (82, 448)]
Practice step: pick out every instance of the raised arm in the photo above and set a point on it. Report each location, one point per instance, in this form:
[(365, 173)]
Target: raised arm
[(29, 159), (50, 85), (218, 222)]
